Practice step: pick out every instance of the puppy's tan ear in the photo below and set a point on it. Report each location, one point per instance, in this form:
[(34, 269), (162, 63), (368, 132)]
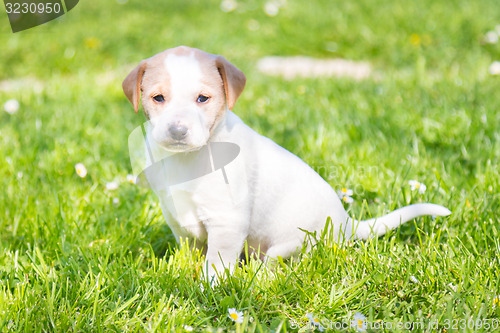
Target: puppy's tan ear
[(132, 85), (234, 80)]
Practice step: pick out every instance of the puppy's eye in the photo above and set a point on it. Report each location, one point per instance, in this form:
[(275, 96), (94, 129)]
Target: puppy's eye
[(202, 99), (159, 98)]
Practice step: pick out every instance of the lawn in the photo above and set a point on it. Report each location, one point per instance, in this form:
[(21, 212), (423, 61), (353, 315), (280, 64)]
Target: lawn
[(79, 255)]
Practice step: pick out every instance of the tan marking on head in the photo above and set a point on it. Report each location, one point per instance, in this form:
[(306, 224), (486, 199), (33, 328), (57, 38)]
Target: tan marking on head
[(149, 72), (132, 84), (234, 80), (157, 81), (209, 75), (217, 71)]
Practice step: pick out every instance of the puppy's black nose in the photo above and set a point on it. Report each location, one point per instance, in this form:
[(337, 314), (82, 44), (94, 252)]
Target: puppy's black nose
[(178, 131)]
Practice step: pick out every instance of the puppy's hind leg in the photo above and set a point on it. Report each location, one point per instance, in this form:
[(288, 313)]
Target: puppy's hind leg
[(284, 250)]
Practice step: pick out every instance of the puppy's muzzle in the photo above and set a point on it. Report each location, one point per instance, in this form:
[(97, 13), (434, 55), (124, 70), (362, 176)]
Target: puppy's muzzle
[(178, 132)]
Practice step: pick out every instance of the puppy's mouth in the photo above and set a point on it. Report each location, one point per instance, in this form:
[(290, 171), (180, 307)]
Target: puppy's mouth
[(179, 147), (177, 137)]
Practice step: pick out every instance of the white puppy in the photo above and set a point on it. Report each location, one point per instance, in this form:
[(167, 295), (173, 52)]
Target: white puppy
[(258, 192)]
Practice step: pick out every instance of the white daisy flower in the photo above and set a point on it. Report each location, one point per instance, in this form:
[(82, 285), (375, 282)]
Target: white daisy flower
[(415, 185), (359, 322), (413, 279), (314, 321), (11, 106), (348, 200), (131, 179), (228, 5), (345, 195), (491, 37), (81, 170), (111, 186), (452, 286), (188, 328), (236, 316), (271, 8), (494, 68), (345, 191)]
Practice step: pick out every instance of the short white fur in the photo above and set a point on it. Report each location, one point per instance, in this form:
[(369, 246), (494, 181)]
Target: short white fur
[(185, 81), (282, 193)]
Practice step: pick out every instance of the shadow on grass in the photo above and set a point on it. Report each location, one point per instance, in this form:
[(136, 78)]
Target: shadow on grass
[(161, 239)]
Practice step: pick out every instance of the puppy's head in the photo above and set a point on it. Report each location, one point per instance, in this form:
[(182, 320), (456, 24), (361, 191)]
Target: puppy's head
[(185, 93)]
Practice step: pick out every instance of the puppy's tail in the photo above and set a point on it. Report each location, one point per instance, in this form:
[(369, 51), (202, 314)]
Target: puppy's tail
[(380, 225)]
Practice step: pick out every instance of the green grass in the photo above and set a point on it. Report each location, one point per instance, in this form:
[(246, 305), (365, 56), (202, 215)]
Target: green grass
[(73, 258)]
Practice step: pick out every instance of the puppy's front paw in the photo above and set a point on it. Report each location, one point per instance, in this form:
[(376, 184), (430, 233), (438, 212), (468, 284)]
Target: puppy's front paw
[(211, 275)]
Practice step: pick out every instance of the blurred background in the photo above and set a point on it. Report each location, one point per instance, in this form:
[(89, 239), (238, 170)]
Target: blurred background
[(393, 35), (428, 111), (82, 248)]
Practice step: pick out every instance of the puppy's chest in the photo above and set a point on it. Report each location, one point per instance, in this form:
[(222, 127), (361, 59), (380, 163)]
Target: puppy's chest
[(201, 198), (202, 187), (201, 201)]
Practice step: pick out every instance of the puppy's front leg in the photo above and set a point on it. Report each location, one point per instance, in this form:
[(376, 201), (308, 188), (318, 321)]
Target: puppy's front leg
[(224, 245)]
